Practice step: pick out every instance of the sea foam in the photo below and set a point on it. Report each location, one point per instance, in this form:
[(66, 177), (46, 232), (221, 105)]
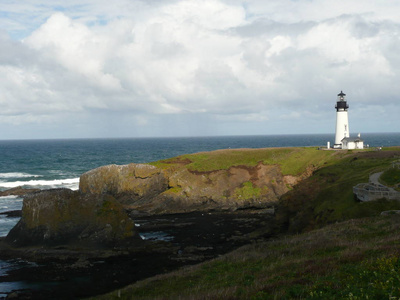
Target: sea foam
[(17, 175), (71, 183), (9, 197)]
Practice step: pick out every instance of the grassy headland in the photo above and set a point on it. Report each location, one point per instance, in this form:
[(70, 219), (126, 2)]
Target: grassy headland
[(341, 249), (293, 161)]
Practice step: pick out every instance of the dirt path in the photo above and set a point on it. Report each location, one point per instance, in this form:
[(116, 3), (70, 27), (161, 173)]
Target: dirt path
[(374, 178)]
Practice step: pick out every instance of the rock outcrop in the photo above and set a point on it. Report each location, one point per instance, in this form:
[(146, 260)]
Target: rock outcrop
[(17, 191), (66, 217), (133, 182), (223, 180), (149, 189)]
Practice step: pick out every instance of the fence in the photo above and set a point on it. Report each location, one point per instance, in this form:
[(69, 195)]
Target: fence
[(372, 191)]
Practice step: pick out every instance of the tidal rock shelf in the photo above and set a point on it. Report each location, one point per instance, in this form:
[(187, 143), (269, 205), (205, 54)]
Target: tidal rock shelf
[(66, 273)]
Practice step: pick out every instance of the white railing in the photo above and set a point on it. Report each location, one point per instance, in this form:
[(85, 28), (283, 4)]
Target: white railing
[(371, 191)]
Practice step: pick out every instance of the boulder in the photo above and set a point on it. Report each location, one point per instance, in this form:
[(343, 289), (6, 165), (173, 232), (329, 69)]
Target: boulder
[(17, 191), (12, 214), (66, 217), (129, 183)]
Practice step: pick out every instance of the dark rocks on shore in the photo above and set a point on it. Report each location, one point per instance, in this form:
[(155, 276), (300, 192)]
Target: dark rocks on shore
[(17, 191), (90, 232), (12, 213), (62, 216), (96, 215), (195, 237)]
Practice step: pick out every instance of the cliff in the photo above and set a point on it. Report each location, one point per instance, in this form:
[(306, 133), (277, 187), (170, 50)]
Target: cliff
[(134, 181), (217, 180)]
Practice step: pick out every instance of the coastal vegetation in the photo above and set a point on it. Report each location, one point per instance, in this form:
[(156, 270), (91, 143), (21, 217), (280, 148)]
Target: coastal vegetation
[(329, 245), (248, 191), (391, 177), (293, 161), (327, 196)]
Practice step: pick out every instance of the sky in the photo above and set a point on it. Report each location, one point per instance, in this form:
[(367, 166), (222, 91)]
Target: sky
[(163, 68)]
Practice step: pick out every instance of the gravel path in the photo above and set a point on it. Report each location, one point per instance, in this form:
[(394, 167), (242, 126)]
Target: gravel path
[(374, 178)]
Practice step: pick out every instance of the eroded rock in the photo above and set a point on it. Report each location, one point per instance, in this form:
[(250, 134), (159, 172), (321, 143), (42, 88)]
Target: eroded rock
[(145, 188), (133, 182), (63, 216), (17, 191)]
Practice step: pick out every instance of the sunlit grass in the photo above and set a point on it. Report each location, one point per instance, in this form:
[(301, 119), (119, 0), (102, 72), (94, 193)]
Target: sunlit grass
[(292, 160)]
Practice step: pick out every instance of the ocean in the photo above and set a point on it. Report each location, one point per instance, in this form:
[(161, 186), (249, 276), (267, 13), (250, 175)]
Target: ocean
[(48, 164)]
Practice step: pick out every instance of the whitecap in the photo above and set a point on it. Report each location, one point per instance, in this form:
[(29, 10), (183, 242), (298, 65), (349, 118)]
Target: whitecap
[(72, 183), (59, 172), (17, 175), (9, 197)]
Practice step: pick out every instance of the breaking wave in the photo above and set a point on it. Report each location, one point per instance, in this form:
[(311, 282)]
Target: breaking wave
[(17, 175), (71, 183)]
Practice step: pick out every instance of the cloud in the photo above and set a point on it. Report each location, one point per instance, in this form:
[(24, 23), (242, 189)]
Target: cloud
[(253, 62)]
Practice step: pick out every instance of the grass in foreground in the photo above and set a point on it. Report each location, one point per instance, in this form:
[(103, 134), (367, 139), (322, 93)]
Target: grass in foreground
[(356, 259)]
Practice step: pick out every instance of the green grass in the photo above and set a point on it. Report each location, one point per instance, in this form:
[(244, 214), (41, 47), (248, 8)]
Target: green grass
[(391, 177), (351, 260), (293, 161), (174, 190), (375, 278), (248, 191), (328, 197)]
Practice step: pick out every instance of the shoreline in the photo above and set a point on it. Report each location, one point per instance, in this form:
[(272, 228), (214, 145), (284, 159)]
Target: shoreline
[(198, 236), (77, 273)]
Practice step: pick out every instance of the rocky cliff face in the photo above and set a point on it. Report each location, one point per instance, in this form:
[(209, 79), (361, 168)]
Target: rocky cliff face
[(62, 216), (218, 180), (177, 189), (133, 182)]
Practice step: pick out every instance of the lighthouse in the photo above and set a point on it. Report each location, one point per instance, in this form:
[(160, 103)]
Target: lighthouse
[(342, 120), (342, 136)]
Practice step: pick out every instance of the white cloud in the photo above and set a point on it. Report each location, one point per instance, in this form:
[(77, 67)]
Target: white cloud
[(250, 61), (75, 47)]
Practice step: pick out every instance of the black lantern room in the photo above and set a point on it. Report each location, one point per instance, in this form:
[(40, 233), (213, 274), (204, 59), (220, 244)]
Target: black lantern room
[(341, 104)]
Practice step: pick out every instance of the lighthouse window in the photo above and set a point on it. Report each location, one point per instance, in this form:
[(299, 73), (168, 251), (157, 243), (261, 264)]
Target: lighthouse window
[(345, 127)]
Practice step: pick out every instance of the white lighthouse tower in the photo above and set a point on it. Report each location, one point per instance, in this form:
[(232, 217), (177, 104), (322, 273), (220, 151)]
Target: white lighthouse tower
[(342, 120)]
